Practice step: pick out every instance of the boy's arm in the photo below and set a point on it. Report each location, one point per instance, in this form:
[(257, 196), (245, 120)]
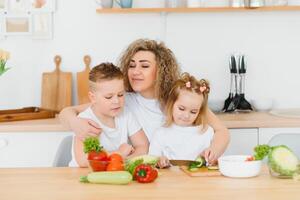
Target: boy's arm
[(81, 127), (80, 156), (140, 143), (221, 137)]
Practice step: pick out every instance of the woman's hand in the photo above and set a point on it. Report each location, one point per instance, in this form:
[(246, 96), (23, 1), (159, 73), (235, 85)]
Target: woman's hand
[(163, 162), (85, 128), (210, 155), (125, 149)]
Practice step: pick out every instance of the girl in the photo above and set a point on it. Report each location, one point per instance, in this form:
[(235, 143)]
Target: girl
[(186, 133), (150, 70)]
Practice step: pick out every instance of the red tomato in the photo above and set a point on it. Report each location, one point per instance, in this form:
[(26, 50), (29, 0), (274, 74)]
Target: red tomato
[(115, 157), (250, 158), (115, 166), (97, 165), (100, 156)]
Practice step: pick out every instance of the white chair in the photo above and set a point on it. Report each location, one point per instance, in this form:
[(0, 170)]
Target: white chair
[(291, 140), (64, 155)]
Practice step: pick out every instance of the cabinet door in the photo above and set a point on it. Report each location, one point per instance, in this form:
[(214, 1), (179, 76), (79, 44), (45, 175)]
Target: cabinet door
[(266, 134), (242, 141), (29, 149)]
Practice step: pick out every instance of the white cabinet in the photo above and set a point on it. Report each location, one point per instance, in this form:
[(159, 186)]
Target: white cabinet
[(29, 149), (266, 134), (242, 141)]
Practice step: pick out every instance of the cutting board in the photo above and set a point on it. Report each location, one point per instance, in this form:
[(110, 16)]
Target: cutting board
[(203, 171), (82, 81), (56, 88), (27, 113)]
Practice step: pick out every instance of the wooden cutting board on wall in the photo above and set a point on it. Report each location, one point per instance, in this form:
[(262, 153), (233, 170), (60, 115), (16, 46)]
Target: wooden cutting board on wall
[(82, 81), (56, 88)]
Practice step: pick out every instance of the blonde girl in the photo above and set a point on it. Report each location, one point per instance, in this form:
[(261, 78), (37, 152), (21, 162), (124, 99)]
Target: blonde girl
[(186, 134)]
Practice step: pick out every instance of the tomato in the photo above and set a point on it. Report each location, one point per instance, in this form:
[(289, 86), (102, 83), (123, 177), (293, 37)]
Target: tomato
[(97, 165), (115, 157), (250, 158), (100, 156), (115, 166)]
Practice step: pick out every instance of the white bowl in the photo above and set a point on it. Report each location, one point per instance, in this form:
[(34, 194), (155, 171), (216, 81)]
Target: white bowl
[(236, 166)]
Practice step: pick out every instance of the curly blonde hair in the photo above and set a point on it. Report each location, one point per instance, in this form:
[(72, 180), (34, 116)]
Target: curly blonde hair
[(168, 68), (189, 83)]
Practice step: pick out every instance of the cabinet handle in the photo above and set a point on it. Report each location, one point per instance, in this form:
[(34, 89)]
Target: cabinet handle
[(3, 143)]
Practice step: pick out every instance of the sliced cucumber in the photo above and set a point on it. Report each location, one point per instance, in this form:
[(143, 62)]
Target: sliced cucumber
[(215, 167), (201, 162)]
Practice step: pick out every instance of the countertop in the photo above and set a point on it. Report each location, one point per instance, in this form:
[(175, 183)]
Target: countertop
[(63, 184), (231, 120)]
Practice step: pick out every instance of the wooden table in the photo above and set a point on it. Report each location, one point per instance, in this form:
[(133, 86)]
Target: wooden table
[(63, 184)]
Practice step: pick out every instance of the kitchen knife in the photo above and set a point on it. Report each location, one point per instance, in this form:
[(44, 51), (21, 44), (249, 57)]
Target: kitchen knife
[(181, 162)]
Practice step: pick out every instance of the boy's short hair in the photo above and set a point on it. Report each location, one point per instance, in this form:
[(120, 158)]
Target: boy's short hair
[(104, 71)]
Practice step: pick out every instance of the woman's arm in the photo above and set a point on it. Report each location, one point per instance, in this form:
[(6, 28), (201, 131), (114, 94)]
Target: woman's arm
[(140, 143), (221, 137), (81, 127)]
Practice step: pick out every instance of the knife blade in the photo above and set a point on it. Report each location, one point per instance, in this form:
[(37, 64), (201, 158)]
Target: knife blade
[(181, 162)]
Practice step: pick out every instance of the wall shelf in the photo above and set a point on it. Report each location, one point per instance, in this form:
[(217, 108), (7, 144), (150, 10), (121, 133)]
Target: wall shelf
[(193, 10)]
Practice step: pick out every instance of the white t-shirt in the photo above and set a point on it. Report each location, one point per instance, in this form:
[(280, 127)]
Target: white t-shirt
[(178, 142), (111, 138), (146, 111)]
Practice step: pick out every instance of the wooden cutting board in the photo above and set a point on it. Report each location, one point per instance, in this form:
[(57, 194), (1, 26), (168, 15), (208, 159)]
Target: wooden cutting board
[(56, 88), (203, 171), (82, 82)]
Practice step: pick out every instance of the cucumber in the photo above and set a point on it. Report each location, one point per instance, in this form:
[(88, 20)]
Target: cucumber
[(112, 177), (214, 167), (201, 161)]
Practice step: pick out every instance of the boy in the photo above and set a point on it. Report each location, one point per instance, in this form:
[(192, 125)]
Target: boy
[(106, 93)]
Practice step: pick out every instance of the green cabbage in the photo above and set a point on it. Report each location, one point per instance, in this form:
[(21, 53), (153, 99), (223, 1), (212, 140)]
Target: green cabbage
[(282, 160)]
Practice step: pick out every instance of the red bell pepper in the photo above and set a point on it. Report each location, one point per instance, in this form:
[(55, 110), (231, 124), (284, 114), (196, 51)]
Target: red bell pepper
[(145, 173)]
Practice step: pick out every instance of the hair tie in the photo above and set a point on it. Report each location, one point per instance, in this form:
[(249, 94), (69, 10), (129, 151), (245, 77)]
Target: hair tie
[(203, 88), (188, 84)]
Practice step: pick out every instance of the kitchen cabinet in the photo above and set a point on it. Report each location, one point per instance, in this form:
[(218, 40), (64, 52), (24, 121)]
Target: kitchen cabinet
[(29, 149), (242, 141), (266, 134)]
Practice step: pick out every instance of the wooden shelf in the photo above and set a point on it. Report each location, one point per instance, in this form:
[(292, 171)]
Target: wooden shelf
[(192, 10)]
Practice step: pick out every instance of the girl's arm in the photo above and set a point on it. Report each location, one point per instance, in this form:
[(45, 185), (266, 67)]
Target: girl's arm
[(221, 137), (81, 127), (80, 156), (140, 143)]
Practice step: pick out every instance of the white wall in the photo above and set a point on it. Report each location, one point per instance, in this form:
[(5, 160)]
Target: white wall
[(202, 43)]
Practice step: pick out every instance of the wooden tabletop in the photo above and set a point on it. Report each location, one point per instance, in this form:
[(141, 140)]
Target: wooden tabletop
[(63, 184), (231, 120)]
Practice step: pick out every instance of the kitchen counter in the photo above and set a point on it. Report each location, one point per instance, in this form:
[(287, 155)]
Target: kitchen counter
[(63, 183), (231, 120)]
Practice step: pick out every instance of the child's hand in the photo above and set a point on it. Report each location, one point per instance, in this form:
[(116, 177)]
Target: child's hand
[(84, 128), (126, 149), (210, 155), (163, 162)]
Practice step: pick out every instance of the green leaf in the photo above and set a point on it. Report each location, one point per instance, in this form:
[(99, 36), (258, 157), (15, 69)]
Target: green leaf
[(91, 144)]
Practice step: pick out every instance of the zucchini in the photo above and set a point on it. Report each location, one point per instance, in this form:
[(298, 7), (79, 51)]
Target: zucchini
[(112, 177)]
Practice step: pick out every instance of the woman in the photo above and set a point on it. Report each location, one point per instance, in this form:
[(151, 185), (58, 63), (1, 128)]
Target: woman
[(150, 70)]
